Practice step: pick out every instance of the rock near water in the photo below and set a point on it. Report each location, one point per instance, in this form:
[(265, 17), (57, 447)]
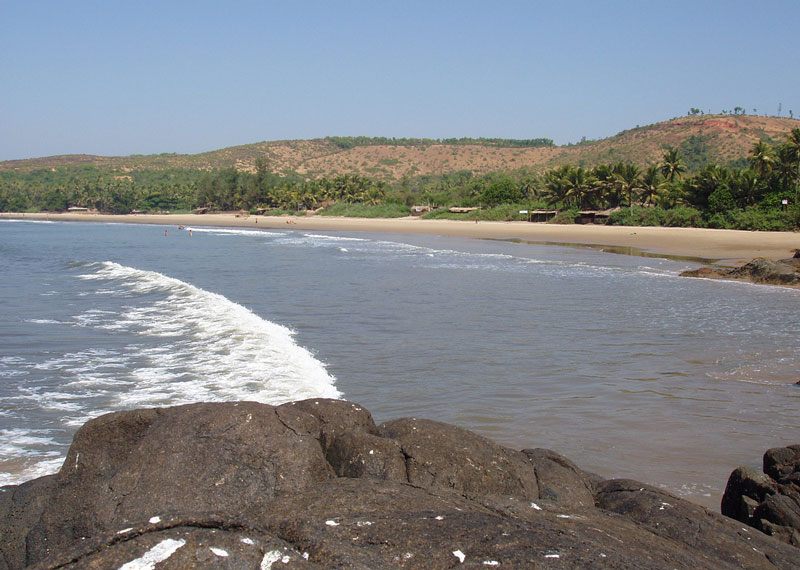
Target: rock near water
[(761, 270), (316, 484), (768, 501)]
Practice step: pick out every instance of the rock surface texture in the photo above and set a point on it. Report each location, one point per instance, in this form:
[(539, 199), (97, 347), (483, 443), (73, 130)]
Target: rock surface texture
[(761, 270), (316, 484), (768, 501)]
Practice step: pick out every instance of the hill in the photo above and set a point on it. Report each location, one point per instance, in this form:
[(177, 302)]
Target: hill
[(722, 139)]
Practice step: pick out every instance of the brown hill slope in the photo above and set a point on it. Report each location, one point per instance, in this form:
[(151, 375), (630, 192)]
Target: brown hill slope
[(722, 139)]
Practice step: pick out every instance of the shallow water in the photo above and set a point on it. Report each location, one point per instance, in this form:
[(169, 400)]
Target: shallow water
[(611, 360)]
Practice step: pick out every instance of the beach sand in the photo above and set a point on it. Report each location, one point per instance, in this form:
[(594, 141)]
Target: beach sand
[(721, 247)]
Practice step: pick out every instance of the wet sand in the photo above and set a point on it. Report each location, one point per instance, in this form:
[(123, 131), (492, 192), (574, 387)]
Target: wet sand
[(723, 247)]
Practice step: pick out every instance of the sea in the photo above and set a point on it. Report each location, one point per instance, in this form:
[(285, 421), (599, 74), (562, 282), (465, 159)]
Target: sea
[(612, 360)]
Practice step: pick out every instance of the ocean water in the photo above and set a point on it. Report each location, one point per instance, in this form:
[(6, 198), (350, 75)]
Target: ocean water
[(611, 360)]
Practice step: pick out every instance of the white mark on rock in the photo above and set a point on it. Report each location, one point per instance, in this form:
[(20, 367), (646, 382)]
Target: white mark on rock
[(269, 559), (158, 553), (305, 555), (372, 452), (408, 555), (491, 563), (439, 518), (77, 456), (124, 530), (155, 520), (364, 523), (564, 516), (460, 555), (331, 523), (219, 552), (247, 541), (249, 418), (552, 556), (535, 506)]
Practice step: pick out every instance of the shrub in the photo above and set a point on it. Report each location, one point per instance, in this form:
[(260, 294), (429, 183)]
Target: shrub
[(755, 219), (366, 211), (684, 217), (566, 217)]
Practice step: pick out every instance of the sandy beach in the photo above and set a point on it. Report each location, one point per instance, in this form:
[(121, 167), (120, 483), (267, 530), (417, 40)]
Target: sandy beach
[(722, 247)]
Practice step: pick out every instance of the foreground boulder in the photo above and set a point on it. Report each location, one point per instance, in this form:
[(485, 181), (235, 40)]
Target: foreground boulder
[(761, 270), (316, 484), (768, 501)]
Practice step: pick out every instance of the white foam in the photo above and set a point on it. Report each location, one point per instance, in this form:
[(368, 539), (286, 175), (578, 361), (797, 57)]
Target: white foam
[(219, 350)]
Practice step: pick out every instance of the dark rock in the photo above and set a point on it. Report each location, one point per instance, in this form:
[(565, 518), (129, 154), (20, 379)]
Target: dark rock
[(131, 466), (746, 488), (782, 462), (20, 509), (442, 455), (559, 480), (713, 538), (348, 436), (768, 501), (316, 484), (760, 270)]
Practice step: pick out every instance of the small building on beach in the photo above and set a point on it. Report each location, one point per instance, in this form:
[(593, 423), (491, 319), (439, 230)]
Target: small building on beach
[(458, 210), (541, 215), (595, 216)]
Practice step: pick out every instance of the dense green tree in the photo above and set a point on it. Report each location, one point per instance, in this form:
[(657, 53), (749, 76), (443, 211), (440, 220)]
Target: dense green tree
[(672, 165), (651, 184), (762, 158), (792, 152)]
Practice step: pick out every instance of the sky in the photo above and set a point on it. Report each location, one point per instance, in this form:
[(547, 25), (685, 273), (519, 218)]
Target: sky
[(116, 78)]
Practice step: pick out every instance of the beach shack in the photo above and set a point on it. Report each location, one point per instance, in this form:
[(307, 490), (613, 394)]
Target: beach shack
[(595, 216), (419, 210), (458, 210), (77, 210), (541, 215)]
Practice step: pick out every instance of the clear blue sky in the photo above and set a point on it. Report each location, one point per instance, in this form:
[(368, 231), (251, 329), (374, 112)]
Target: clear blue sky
[(117, 78)]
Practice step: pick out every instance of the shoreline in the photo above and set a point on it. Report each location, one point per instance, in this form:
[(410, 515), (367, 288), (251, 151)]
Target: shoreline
[(710, 246)]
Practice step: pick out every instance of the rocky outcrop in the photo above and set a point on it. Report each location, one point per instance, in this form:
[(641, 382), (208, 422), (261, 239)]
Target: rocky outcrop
[(768, 501), (316, 484), (761, 270)]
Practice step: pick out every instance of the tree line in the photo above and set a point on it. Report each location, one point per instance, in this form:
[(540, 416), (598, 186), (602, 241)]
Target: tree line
[(351, 142)]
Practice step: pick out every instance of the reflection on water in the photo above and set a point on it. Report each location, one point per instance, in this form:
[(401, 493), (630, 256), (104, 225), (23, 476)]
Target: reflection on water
[(618, 249)]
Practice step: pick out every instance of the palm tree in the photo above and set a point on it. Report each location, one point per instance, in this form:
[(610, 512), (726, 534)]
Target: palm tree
[(603, 185), (762, 158), (556, 185), (792, 145), (628, 177), (577, 186), (672, 165), (651, 184), (746, 186)]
